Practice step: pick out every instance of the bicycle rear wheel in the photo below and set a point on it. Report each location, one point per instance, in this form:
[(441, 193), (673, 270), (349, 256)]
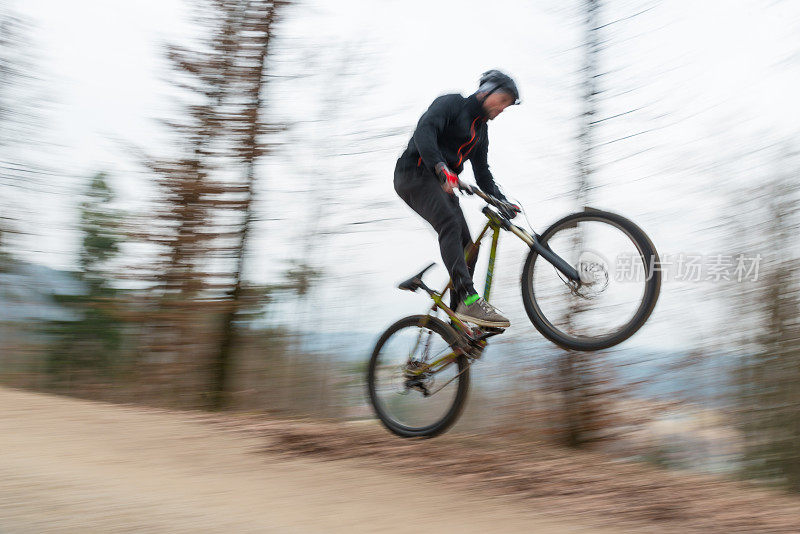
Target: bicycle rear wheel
[(410, 399), (607, 307)]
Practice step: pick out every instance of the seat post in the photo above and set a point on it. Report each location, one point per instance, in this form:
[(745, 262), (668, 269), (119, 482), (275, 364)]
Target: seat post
[(476, 245)]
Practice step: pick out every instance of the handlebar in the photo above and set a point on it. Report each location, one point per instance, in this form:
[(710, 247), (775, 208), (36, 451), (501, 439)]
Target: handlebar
[(491, 200)]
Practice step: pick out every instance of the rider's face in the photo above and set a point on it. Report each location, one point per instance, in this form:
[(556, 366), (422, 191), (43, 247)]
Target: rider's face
[(495, 103)]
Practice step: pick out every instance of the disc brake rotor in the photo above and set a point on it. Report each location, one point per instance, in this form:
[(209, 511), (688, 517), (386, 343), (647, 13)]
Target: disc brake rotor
[(593, 270)]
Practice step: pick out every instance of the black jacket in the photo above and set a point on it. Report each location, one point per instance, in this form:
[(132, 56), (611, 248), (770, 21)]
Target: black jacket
[(452, 130)]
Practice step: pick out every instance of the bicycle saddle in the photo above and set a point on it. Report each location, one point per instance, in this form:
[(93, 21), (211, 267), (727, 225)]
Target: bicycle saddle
[(415, 282)]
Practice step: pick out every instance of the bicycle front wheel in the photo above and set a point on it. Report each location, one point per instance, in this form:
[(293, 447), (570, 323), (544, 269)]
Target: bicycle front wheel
[(417, 379), (620, 281)]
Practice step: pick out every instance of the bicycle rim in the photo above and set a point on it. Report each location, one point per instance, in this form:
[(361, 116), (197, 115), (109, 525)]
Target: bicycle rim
[(397, 389), (619, 283)]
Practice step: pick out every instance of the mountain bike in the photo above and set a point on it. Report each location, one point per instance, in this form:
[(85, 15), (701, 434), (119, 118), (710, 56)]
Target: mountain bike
[(418, 375)]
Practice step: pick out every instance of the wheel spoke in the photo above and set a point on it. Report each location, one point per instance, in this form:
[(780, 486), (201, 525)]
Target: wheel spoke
[(410, 399)]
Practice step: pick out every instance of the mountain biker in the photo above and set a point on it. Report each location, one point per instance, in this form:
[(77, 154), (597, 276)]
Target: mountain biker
[(452, 131)]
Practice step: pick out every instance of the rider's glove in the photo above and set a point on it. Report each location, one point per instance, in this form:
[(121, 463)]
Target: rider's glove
[(446, 176), (509, 210)]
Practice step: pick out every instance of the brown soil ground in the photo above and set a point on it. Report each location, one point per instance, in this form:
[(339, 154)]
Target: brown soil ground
[(70, 465)]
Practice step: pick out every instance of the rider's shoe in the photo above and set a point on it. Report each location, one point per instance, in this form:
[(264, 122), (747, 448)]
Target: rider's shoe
[(481, 313)]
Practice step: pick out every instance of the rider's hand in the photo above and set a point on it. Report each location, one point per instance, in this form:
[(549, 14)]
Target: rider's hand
[(509, 210), (448, 178)]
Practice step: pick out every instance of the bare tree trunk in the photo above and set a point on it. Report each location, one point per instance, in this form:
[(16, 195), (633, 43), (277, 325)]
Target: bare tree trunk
[(575, 372), (259, 18), (183, 292)]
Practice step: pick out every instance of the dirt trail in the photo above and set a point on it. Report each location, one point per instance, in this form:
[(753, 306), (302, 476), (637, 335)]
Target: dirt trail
[(69, 465)]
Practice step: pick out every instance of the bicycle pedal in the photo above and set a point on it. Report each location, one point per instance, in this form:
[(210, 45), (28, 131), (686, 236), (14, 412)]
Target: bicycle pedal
[(494, 329)]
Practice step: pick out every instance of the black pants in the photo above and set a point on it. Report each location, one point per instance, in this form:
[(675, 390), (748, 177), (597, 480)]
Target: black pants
[(425, 195)]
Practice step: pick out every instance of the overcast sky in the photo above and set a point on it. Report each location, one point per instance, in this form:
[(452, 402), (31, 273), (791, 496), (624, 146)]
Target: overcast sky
[(710, 81)]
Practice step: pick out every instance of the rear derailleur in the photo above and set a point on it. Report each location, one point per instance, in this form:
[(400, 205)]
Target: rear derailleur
[(422, 381)]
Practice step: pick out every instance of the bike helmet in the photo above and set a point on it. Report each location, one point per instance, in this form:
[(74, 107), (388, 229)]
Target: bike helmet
[(494, 80)]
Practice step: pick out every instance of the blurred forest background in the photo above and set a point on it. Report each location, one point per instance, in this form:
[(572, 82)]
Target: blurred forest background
[(196, 208)]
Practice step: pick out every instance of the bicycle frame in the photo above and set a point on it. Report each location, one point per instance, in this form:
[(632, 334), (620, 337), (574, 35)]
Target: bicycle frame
[(495, 223)]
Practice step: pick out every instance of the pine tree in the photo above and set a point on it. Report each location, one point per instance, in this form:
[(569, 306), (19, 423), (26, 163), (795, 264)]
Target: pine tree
[(88, 344)]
